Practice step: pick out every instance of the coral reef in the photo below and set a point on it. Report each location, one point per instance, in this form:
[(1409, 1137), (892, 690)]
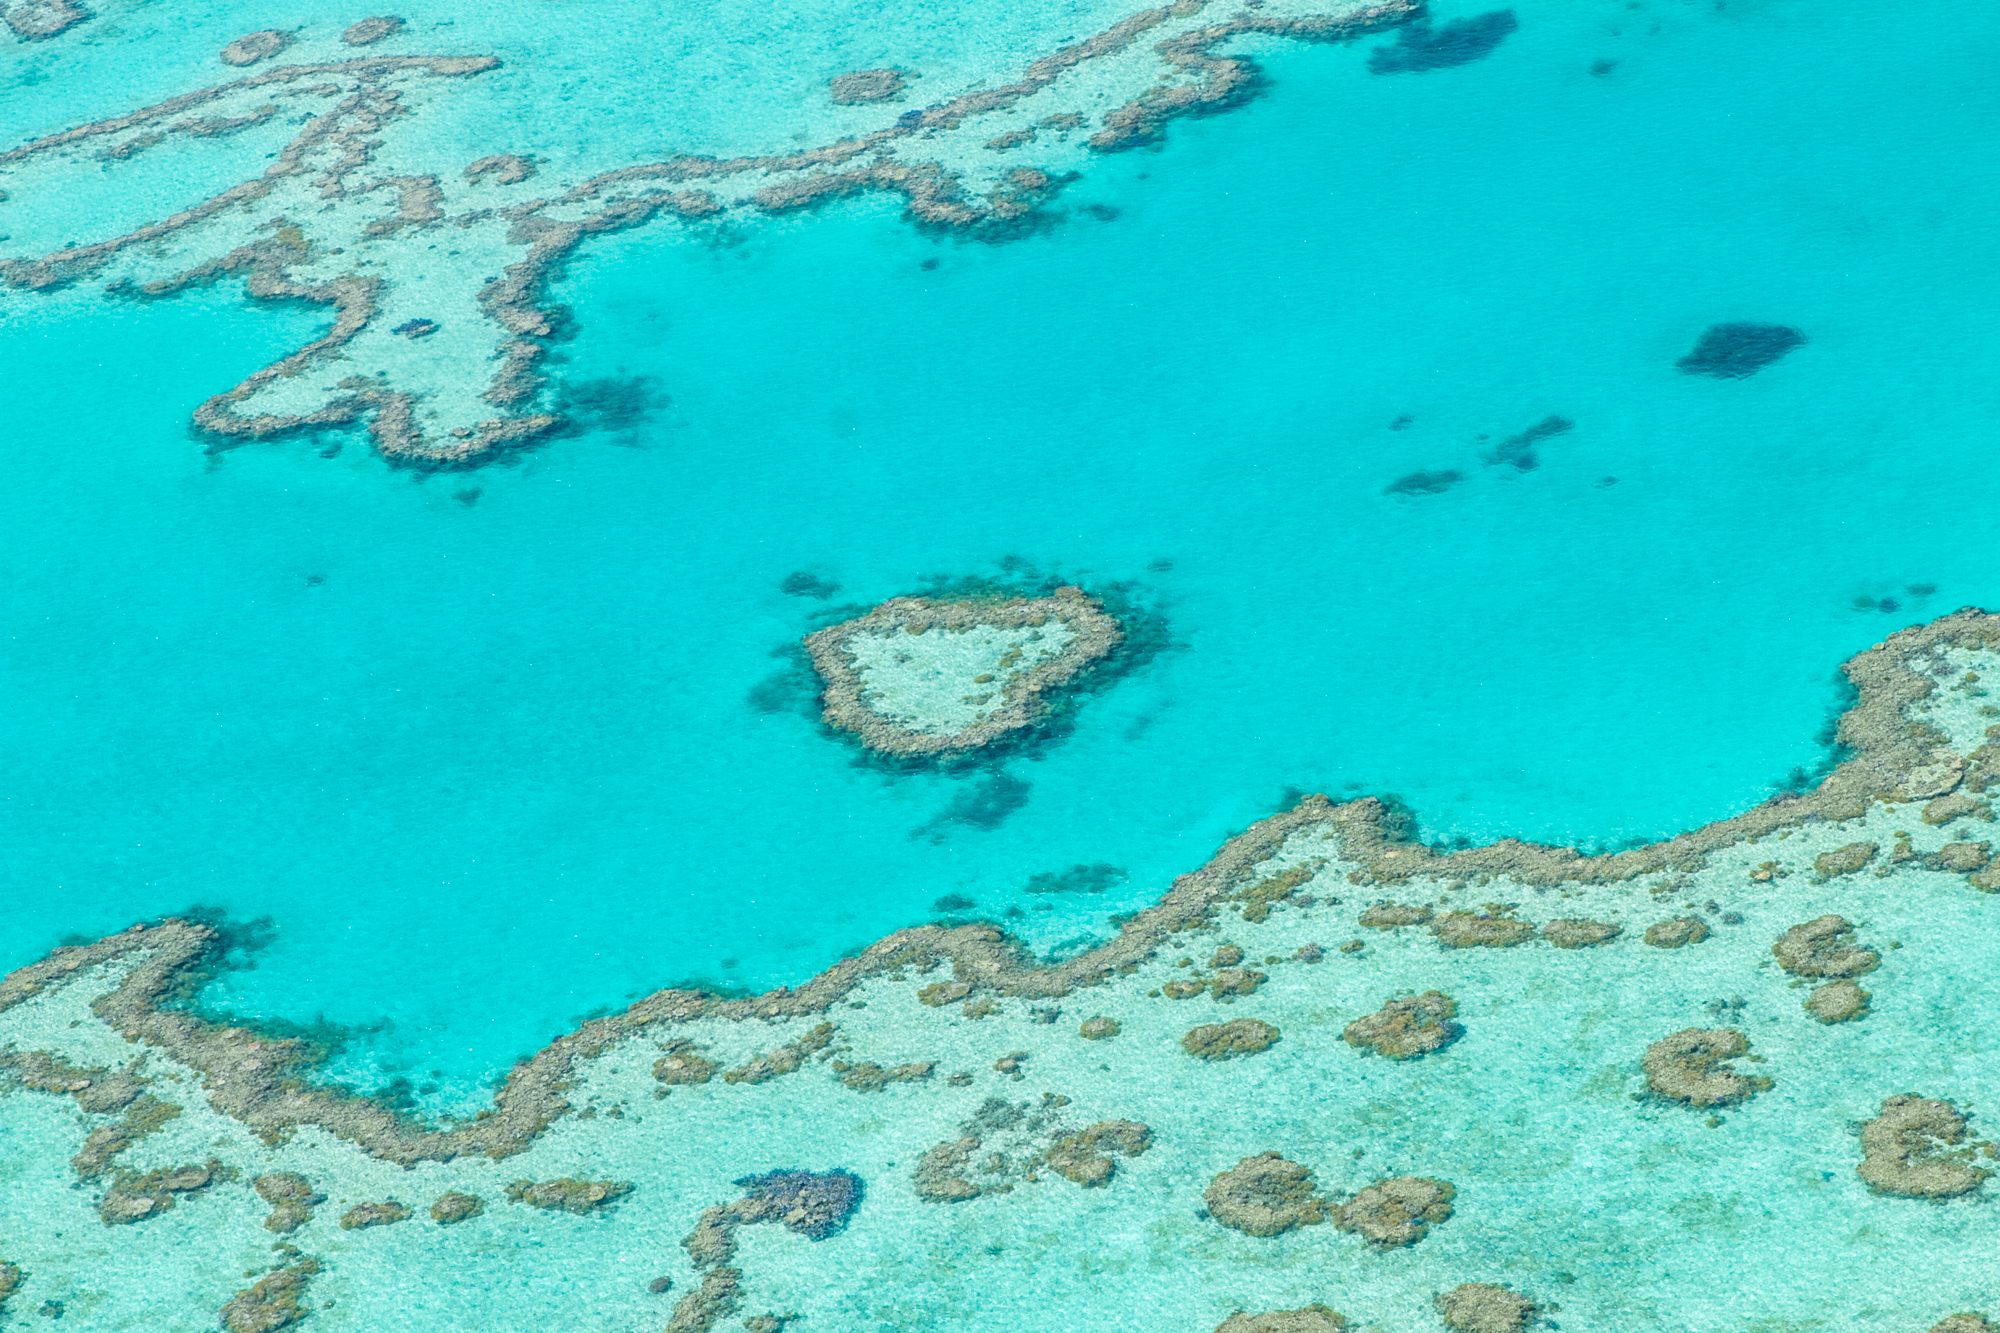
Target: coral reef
[(568, 1194), (292, 1199), (364, 1215), (1912, 1149), (10, 1281), (1738, 350), (1407, 1026), (1099, 1028), (1314, 1318), (1677, 933), (1391, 1214), (1961, 858), (1226, 1041), (1480, 1307), (874, 1078), (454, 1207), (786, 1059), (943, 1174), (254, 47), (814, 1204), (867, 85), (1837, 1002), (941, 993), (1388, 915), (1962, 1323), (1264, 1195), (1576, 933), (1014, 700), (372, 30), (1824, 947), (1490, 929), (95, 1091), (1419, 46), (1845, 860), (1692, 1066), (39, 20), (273, 1302), (134, 1198), (680, 1065), (1086, 1157), (715, 1300), (144, 1116)]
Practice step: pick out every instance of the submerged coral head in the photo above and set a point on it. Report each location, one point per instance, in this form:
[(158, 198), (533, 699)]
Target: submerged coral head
[(813, 1203)]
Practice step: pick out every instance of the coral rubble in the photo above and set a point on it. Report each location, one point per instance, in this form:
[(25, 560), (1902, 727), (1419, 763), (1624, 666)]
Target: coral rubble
[(1913, 1149), (1264, 1195), (1692, 1066), (1407, 1026), (1391, 1214)]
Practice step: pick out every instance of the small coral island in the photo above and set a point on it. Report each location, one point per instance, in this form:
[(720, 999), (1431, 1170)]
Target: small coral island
[(918, 678)]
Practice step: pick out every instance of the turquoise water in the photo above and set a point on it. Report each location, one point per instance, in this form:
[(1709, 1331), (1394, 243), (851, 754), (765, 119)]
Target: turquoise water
[(489, 764)]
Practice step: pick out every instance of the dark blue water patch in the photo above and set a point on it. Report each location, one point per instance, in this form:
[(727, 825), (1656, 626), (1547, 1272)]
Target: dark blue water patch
[(1419, 46), (1518, 451), (1739, 349), (985, 805), (954, 902), (1093, 877), (617, 404), (469, 496), (1425, 483), (804, 583)]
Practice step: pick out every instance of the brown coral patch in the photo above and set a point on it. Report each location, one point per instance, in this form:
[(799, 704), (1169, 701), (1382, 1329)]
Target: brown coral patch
[(453, 1207), (1236, 981), (1407, 1026), (1099, 1028), (1226, 1041), (1481, 1307), (134, 1198), (680, 1065), (942, 1174), (372, 30), (1677, 933), (1395, 1213), (1577, 933), (1962, 1323), (874, 1078), (1837, 1002), (1912, 1149), (273, 1302), (11, 1277), (1264, 1196), (1086, 1157), (1955, 806), (941, 993), (1845, 860), (867, 85), (1388, 916), (39, 20), (364, 1215), (1314, 1318), (1480, 930), (715, 1300), (96, 1091), (255, 46), (1691, 1066), (786, 1059), (1823, 947), (568, 1194), (1961, 858), (292, 1199)]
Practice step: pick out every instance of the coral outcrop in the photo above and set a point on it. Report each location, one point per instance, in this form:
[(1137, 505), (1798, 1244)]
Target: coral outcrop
[(568, 1194), (786, 1059), (1407, 1026), (713, 1301), (364, 1215), (1086, 1158), (135, 1198), (1099, 1028), (1577, 933), (1963, 1323), (1677, 933), (1265, 1195), (1388, 915), (292, 1199), (1824, 947), (871, 1077), (251, 48), (867, 85), (372, 30), (1916, 1148), (1481, 1307), (101, 1146), (1739, 349), (1226, 1041), (1692, 1066), (1848, 860), (453, 1207), (1392, 1214), (1314, 1318), (96, 1091), (1494, 928), (39, 20), (680, 1065), (918, 678), (273, 1302), (1837, 1002)]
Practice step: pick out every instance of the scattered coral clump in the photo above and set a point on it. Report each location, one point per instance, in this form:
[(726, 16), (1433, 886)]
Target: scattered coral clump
[(454, 1207), (1388, 916), (253, 47), (874, 1078), (372, 30), (1098, 1029), (868, 85), (96, 1091), (1963, 1323), (1575, 933), (1845, 860), (786, 1059), (943, 1173), (272, 1303), (1226, 1041), (134, 1198), (1490, 929), (941, 993), (1315, 1318), (1692, 1066), (1086, 1157), (1837, 1002), (1823, 947), (1394, 1213), (1407, 1026), (363, 1215), (1912, 1149), (291, 1197), (710, 1303), (568, 1194), (10, 1280), (1481, 1307), (1677, 933), (145, 1115), (815, 1204), (1961, 858), (1264, 1196), (681, 1065)]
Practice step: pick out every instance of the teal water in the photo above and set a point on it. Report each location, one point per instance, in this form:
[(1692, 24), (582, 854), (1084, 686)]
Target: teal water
[(499, 766)]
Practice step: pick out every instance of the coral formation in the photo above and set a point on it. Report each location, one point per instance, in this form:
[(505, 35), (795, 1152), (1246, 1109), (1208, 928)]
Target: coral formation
[(1737, 350), (786, 1059), (1226, 1041), (1067, 631), (1956, 806), (1391, 1214), (941, 993), (680, 1065), (1837, 1002), (1962, 1323), (372, 30), (39, 20), (1419, 46), (1314, 1318), (1407, 1026), (874, 1078), (1264, 1196), (1912, 1149), (815, 1204), (943, 1175), (97, 1091), (292, 1199), (253, 47), (1692, 1066), (1961, 858), (1086, 1157), (1677, 933), (568, 1194), (1481, 1307), (1823, 947), (1845, 860), (1490, 929), (273, 1302), (10, 1281), (454, 1207), (1388, 915), (134, 1198), (364, 1215), (867, 85), (1099, 1028), (715, 1300), (1576, 933)]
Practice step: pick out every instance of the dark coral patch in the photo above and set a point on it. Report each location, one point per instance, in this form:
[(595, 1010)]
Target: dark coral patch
[(1739, 349), (1419, 46)]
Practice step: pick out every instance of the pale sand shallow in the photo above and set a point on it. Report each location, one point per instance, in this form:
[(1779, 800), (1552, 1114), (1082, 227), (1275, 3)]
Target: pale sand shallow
[(930, 682)]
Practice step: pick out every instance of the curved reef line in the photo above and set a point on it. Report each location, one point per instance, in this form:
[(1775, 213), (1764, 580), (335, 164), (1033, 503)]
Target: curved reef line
[(261, 1080), (293, 255)]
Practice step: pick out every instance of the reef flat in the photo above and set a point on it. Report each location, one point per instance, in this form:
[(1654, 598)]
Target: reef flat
[(917, 676), (1333, 1075), (435, 268)]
